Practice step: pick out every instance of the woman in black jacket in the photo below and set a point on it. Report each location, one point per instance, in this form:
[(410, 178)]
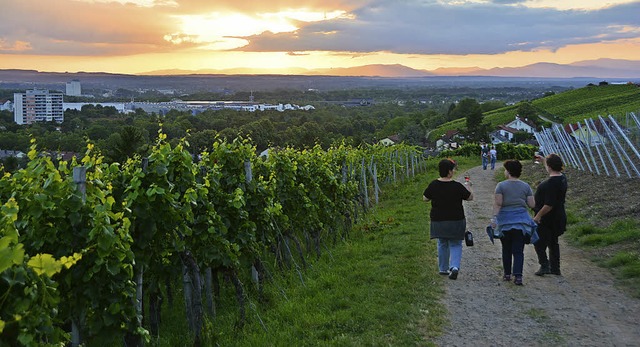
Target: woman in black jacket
[(550, 215)]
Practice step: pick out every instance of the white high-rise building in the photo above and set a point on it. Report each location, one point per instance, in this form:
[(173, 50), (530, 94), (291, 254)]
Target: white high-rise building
[(37, 106), (74, 88)]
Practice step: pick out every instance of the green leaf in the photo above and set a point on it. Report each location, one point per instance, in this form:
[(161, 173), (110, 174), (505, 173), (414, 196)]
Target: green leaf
[(10, 254), (10, 210), (162, 170), (45, 264), (114, 268), (70, 260), (25, 338)]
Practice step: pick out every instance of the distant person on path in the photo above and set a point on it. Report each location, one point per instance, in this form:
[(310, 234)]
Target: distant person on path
[(513, 199), (484, 153), (550, 214), (493, 154), (448, 222)]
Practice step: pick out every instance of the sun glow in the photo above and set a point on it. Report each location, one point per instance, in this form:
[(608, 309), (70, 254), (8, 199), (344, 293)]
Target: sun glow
[(305, 16), (225, 31), (217, 25)]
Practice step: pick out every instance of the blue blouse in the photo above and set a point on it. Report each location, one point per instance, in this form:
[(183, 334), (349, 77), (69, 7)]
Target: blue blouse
[(517, 219)]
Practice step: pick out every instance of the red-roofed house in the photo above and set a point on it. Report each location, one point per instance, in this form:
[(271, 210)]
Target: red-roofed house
[(449, 140), (589, 136), (507, 131), (522, 125)]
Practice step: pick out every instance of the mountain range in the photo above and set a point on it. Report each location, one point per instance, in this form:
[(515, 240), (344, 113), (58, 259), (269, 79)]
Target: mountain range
[(538, 75), (600, 68)]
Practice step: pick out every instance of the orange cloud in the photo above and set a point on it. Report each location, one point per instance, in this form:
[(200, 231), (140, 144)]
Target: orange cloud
[(16, 46)]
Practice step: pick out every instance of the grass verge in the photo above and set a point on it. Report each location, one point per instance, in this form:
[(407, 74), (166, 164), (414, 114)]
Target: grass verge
[(614, 247), (379, 288)]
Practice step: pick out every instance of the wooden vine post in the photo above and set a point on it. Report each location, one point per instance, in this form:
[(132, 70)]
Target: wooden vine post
[(80, 179)]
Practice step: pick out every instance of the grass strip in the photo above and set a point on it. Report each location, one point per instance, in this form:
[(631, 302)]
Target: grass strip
[(614, 247), (379, 288)]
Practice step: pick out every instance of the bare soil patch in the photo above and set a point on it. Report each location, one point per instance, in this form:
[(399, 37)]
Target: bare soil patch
[(580, 308), (603, 198)]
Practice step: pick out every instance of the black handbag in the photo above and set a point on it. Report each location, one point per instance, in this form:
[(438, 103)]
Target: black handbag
[(468, 238)]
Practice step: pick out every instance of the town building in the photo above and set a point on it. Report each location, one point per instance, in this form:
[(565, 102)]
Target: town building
[(390, 141), (38, 106), (194, 107), (74, 88), (6, 105), (4, 154), (450, 140)]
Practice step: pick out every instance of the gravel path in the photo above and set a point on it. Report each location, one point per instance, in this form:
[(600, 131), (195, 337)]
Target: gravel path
[(579, 308)]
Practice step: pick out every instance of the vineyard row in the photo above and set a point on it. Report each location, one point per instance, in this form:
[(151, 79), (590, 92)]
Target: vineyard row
[(85, 245)]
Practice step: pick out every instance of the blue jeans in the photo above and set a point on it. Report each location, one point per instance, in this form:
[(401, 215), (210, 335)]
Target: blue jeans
[(485, 162), (449, 254), (493, 163), (512, 250)]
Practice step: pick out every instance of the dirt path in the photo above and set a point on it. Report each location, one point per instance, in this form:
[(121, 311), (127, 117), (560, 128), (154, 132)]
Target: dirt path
[(579, 308)]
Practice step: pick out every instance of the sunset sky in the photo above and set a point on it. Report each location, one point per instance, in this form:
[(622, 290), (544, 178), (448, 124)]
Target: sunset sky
[(137, 36)]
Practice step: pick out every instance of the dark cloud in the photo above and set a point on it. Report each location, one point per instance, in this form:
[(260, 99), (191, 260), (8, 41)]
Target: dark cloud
[(73, 27), (429, 28)]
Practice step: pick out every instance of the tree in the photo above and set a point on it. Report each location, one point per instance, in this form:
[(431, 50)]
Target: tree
[(6, 117), (395, 125), (521, 136), (125, 144), (10, 164), (98, 132), (450, 112), (470, 109), (262, 133), (413, 134), (432, 120), (202, 140), (527, 111), (492, 105)]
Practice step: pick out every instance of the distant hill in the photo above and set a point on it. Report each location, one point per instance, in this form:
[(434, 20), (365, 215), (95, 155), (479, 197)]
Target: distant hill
[(594, 68), (604, 69), (395, 70), (458, 71), (567, 107), (601, 68), (235, 71), (373, 70), (187, 82)]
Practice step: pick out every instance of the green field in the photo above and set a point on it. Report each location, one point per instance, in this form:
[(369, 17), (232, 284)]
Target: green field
[(567, 107)]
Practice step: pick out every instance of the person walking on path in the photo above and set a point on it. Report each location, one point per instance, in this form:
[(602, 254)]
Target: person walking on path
[(448, 222), (581, 308), (550, 214), (484, 153), (512, 201), (493, 155)]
